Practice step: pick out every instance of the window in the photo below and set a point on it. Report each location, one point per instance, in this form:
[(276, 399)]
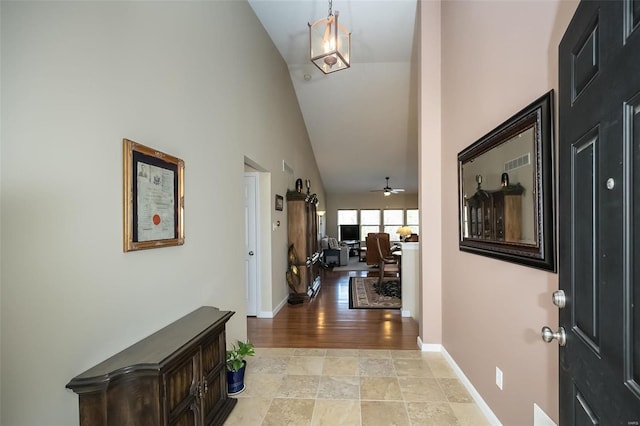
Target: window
[(413, 220), (393, 219), (380, 221), (369, 222), (346, 217)]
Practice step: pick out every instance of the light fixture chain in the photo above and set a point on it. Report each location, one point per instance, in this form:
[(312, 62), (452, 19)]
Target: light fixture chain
[(330, 8)]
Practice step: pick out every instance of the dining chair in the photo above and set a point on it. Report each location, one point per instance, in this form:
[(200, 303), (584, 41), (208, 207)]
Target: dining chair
[(387, 264)]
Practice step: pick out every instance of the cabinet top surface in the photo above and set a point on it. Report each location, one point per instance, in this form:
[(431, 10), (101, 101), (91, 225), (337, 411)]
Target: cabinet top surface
[(150, 352)]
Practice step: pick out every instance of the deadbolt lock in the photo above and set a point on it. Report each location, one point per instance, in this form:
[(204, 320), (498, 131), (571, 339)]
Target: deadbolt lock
[(559, 299)]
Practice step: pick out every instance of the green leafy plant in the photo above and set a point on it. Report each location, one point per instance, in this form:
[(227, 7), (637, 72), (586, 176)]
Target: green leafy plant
[(237, 354)]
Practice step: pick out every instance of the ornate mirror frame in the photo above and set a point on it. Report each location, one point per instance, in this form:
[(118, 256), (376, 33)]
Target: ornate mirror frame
[(511, 220)]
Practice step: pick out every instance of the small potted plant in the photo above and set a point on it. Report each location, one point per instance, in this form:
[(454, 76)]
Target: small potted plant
[(236, 366)]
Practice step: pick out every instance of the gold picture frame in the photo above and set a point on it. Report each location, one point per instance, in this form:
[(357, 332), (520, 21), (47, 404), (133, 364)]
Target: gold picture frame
[(153, 198)]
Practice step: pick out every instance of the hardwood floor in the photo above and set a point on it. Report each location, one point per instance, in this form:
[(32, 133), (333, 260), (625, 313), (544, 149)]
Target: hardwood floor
[(327, 322)]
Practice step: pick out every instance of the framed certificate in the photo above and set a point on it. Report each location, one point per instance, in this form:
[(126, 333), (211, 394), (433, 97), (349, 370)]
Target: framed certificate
[(153, 198)]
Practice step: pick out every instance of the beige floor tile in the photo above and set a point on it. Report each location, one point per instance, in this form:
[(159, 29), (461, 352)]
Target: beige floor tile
[(339, 387), (248, 412), (287, 411), (455, 390), (261, 385), (298, 387), (376, 367), (287, 386), (307, 365), (469, 414), (340, 366), (342, 352), (432, 356), (404, 354), (441, 368), (384, 413), (380, 389), (274, 352), (271, 365), (421, 389), (309, 352), (412, 367), (431, 414), (374, 353), (336, 413)]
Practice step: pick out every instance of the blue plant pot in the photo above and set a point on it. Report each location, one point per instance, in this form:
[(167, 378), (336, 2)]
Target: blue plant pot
[(235, 380)]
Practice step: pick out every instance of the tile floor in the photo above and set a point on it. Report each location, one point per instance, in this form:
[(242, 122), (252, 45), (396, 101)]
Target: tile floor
[(288, 386)]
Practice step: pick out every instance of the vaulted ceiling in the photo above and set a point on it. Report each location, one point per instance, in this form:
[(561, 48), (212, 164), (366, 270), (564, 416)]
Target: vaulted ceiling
[(362, 121)]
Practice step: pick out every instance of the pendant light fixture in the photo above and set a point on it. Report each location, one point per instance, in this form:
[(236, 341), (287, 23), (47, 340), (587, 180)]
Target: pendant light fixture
[(330, 43)]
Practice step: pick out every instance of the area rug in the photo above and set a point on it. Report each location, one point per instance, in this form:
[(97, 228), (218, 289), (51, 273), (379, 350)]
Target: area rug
[(364, 294), (354, 265)]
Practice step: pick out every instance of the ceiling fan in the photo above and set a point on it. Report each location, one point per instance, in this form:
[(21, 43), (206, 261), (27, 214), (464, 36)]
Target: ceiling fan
[(388, 190)]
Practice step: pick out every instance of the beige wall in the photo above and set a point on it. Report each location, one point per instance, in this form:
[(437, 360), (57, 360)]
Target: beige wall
[(497, 57), (77, 78), (375, 200), (430, 166)]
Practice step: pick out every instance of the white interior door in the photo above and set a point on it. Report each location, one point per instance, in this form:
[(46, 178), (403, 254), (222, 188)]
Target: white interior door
[(251, 249)]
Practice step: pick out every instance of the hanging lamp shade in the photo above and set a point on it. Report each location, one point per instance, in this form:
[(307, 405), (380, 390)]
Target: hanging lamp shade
[(330, 44)]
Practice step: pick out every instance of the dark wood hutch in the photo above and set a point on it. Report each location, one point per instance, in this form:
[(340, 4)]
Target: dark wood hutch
[(302, 226), (496, 215)]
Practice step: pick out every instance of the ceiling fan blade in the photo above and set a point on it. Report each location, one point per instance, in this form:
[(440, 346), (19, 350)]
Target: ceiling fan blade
[(387, 189)]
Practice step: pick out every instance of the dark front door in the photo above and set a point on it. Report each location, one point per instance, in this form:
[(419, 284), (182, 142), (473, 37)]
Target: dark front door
[(599, 195)]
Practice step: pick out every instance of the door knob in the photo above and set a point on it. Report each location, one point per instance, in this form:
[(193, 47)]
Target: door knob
[(559, 299), (548, 335), (251, 253)]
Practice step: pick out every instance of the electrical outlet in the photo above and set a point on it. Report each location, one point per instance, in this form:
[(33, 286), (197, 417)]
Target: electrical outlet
[(499, 378)]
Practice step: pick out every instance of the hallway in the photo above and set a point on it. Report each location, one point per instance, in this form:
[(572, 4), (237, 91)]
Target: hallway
[(327, 322)]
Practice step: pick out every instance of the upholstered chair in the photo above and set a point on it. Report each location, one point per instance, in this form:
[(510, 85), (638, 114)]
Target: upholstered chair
[(387, 263), (373, 258)]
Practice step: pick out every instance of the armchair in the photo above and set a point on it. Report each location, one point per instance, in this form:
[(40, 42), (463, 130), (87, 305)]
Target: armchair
[(333, 253)]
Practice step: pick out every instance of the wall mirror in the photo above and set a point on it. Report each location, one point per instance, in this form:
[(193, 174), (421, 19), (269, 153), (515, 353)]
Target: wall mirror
[(506, 190)]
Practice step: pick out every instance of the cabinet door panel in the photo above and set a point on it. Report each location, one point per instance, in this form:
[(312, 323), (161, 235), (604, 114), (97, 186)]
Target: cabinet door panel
[(181, 383), (215, 396), (213, 354), (188, 417), (214, 373)]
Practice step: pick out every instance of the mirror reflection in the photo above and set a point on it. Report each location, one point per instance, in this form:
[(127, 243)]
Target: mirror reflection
[(505, 189), (499, 192)]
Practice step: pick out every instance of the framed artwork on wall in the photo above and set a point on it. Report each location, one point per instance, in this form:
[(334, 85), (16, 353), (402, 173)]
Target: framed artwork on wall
[(279, 202), (153, 202)]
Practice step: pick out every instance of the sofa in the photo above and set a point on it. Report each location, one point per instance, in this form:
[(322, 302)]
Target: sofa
[(333, 253)]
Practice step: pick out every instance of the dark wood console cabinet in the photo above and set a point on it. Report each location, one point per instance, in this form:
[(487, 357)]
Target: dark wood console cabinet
[(176, 376)]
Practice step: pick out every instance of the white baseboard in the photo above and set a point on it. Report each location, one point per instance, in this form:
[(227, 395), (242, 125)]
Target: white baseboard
[(429, 347), (486, 410), (271, 314), (406, 313), (540, 418)]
